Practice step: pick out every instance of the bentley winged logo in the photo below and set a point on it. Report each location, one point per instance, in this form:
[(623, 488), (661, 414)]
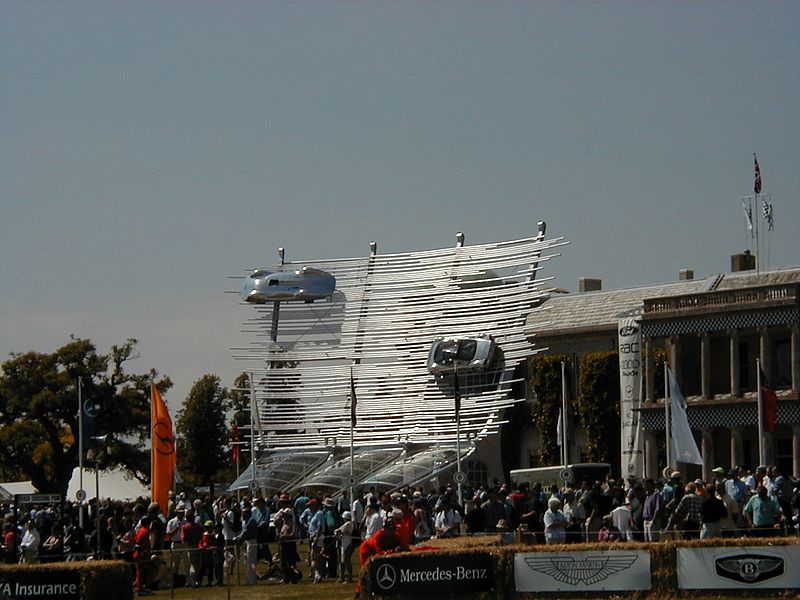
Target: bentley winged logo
[(749, 568), (589, 570)]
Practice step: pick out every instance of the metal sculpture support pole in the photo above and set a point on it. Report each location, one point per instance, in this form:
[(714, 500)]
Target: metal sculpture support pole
[(457, 402), (458, 458), (762, 459), (564, 451), (666, 412), (252, 426)]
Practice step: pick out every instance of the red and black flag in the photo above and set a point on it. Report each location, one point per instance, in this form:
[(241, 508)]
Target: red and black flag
[(456, 393), (353, 400), (769, 404), (235, 443), (757, 177)]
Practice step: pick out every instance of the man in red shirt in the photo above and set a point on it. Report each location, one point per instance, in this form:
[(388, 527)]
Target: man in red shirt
[(141, 556), (385, 540), (406, 522)]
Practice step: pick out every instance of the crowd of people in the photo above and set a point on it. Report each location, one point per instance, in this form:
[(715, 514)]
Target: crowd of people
[(199, 541)]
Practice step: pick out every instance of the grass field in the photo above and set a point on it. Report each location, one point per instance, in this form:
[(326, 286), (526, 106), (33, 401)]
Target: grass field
[(305, 590)]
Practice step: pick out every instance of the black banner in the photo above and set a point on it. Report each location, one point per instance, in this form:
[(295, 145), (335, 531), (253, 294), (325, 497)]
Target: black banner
[(40, 585), (429, 574)]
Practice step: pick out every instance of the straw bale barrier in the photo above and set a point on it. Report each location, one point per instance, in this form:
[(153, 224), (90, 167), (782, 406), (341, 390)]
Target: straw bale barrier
[(79, 580), (663, 568)]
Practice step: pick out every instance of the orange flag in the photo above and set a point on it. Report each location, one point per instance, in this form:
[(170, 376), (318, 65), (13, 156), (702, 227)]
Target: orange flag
[(162, 453)]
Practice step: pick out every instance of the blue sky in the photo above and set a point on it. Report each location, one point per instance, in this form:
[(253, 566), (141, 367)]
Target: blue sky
[(150, 150)]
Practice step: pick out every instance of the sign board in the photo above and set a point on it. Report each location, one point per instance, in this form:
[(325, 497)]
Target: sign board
[(37, 498), (630, 382), (431, 574), (40, 585), (460, 477), (253, 485), (582, 571), (351, 481), (80, 495), (744, 567)]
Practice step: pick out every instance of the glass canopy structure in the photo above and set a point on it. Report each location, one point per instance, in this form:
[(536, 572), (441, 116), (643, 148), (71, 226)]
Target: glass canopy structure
[(347, 375)]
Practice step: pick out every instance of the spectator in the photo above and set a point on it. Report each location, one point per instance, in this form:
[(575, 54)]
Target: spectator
[(608, 532), (554, 522), (712, 513), (141, 557), (249, 537), (383, 541), (30, 543), (447, 521), (687, 515), (286, 531), (345, 536), (762, 513)]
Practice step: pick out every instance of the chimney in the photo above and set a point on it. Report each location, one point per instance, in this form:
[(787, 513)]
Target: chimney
[(685, 274), (589, 284), (743, 262)]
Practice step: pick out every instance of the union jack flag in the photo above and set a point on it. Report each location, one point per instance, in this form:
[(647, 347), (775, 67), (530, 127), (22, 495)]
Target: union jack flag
[(757, 178)]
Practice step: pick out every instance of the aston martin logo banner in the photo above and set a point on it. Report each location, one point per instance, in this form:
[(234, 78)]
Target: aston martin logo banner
[(630, 397), (582, 571), (746, 567)]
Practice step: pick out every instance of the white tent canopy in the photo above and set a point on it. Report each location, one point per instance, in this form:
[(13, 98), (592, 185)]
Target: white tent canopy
[(112, 484)]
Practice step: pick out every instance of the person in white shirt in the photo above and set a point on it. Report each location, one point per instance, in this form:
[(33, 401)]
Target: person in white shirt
[(345, 535), (621, 518), (30, 544), (373, 521), (447, 521)]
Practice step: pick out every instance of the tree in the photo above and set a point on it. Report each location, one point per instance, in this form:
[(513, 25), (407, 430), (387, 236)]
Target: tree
[(546, 384), (598, 406), (39, 412), (203, 432)]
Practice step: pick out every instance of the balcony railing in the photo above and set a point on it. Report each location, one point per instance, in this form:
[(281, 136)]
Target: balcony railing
[(780, 294)]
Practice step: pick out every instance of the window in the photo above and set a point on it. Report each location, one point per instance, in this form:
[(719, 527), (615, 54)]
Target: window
[(477, 473)]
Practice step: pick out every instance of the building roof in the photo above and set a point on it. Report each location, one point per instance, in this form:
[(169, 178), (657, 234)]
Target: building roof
[(573, 313)]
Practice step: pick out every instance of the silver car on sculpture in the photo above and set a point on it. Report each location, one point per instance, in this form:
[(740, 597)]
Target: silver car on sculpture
[(462, 354), (307, 284)]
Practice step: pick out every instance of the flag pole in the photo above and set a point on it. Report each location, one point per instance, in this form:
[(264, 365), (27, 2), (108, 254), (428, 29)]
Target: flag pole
[(252, 426), (666, 412), (564, 450), (456, 394), (80, 447), (760, 401), (352, 432), (152, 447)]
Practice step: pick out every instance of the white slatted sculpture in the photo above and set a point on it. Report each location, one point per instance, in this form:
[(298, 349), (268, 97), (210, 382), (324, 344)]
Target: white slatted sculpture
[(380, 323)]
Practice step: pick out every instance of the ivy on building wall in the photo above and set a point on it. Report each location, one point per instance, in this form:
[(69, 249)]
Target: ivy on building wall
[(545, 381), (597, 405)]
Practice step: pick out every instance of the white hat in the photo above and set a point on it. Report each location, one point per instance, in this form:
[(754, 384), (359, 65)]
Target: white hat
[(347, 515)]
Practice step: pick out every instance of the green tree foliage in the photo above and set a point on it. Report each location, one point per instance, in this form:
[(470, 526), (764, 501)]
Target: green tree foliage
[(598, 405), (545, 381), (39, 412), (203, 432)]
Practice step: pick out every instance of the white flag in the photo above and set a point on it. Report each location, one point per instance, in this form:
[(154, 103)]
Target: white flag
[(683, 447), (748, 217), (560, 429)]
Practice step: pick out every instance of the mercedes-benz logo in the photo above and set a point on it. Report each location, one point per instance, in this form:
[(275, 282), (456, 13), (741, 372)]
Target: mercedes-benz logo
[(89, 408), (386, 576)]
